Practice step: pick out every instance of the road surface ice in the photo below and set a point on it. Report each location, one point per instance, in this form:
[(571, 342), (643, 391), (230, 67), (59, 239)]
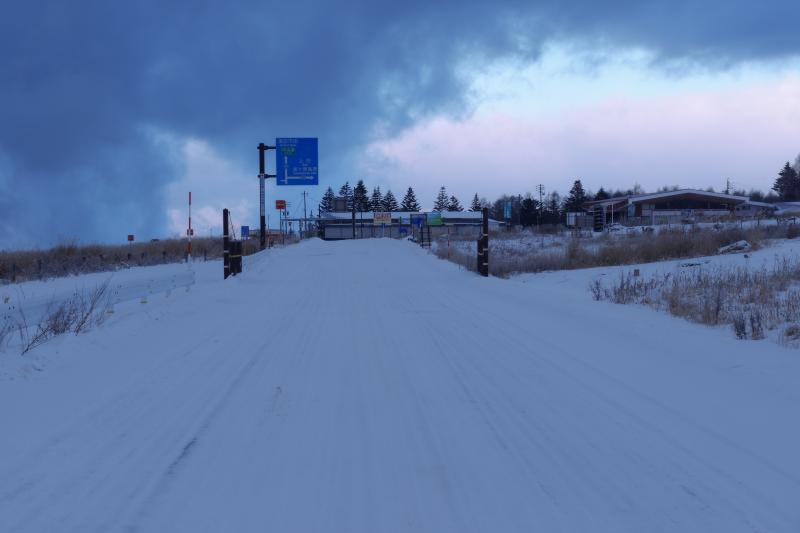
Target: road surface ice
[(369, 387)]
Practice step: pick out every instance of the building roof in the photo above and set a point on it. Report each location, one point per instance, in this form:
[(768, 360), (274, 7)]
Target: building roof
[(686, 192), (367, 215), (764, 205), (621, 202), (787, 208), (448, 217)]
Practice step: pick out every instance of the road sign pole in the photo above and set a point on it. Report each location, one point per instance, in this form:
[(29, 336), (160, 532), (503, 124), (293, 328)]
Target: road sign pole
[(262, 176), (262, 228), (262, 225)]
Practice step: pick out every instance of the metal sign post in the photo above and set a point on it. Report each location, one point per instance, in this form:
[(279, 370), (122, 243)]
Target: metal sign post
[(262, 176)]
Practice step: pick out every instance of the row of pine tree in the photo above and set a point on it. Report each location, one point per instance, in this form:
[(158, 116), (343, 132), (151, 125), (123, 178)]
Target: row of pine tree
[(528, 210)]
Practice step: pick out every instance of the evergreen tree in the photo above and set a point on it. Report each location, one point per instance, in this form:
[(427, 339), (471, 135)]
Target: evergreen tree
[(528, 211), (787, 184), (326, 205), (442, 201), (390, 202), (552, 208), (360, 198), (454, 205), (602, 194), (755, 195), (376, 201), (576, 199), (409, 202), (476, 204), (345, 191)]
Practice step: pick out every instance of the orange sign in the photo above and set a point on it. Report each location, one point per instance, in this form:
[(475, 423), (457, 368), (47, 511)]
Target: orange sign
[(280, 205)]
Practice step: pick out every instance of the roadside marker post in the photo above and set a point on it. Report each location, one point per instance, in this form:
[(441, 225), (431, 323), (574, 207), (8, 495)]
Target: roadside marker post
[(226, 260), (189, 233), (483, 245)]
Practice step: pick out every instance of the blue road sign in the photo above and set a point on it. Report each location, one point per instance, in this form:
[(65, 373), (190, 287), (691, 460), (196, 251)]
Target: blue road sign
[(244, 232), (507, 211), (296, 161)]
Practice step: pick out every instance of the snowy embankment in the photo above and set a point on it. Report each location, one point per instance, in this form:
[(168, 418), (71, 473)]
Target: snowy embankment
[(367, 386)]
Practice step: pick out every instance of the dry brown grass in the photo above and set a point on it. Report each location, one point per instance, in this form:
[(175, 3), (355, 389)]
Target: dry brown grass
[(72, 259), (77, 314), (751, 301), (608, 250)]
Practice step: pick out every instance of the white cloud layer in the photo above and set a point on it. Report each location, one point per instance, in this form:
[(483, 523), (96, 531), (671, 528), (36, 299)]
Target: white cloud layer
[(696, 136)]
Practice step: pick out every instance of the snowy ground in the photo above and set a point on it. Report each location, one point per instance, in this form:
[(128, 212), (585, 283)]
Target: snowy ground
[(367, 387)]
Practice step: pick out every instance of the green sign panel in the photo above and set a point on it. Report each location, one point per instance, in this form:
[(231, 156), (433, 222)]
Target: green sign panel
[(435, 219)]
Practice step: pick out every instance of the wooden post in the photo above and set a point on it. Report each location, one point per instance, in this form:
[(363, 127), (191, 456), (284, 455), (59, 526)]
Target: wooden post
[(226, 240)]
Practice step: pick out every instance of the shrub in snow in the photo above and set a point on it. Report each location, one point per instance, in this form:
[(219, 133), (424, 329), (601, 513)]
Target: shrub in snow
[(740, 326), (791, 334), (751, 301), (738, 246), (76, 314)]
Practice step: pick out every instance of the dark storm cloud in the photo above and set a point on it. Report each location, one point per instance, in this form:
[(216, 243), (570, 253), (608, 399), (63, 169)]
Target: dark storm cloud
[(84, 85)]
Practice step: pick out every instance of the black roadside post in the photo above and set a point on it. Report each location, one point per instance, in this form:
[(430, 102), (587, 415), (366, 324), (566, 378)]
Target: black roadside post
[(226, 260), (479, 261), (483, 246), (354, 220)]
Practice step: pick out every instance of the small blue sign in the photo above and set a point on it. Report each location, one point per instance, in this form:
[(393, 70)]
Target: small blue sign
[(417, 219), (507, 211), (244, 232), (296, 161)]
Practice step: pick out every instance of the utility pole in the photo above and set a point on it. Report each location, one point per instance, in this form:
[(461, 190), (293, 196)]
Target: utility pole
[(262, 176), (305, 225), (540, 188)]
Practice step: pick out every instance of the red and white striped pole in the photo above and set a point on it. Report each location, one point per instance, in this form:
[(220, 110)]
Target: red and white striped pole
[(189, 231)]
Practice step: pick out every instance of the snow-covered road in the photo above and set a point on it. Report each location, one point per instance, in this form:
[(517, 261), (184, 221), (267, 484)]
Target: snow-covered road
[(370, 387)]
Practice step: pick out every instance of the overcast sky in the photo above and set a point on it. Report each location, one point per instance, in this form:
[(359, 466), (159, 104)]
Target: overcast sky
[(111, 112)]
